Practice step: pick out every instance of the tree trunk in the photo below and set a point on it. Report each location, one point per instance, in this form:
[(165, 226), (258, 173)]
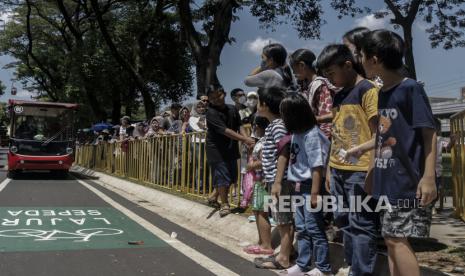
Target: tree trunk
[(206, 74), (409, 59), (116, 109)]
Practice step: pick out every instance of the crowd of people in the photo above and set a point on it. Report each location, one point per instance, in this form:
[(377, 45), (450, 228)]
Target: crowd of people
[(348, 123)]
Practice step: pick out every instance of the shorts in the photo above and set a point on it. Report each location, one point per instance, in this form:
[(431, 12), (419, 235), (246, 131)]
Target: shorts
[(283, 216), (259, 194), (224, 173), (406, 222)]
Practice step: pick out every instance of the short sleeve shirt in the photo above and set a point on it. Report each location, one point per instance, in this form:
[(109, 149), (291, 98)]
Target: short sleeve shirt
[(308, 150), (399, 157), (273, 134), (352, 110), (219, 147)]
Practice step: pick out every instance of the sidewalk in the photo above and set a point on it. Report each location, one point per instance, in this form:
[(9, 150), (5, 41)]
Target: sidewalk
[(445, 250), (231, 232)]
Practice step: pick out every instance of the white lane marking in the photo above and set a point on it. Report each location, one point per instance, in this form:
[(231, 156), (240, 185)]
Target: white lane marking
[(4, 183), (192, 254)]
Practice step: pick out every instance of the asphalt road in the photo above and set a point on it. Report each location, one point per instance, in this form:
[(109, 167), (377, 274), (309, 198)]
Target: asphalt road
[(56, 227)]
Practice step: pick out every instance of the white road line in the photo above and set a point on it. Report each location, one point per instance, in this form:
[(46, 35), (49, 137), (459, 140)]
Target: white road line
[(4, 183), (192, 254)]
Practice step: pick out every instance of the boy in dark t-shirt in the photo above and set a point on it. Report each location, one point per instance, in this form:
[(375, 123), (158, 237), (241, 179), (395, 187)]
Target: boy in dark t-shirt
[(223, 122), (405, 151)]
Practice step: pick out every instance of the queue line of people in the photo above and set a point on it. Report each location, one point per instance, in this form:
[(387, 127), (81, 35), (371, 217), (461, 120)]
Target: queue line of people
[(354, 125)]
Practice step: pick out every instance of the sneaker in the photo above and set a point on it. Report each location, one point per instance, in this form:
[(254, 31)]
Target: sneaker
[(317, 272), (272, 222), (293, 271), (345, 271)]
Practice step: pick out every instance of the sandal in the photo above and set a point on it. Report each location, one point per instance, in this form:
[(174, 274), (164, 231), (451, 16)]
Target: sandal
[(257, 250), (213, 203), (225, 210), (261, 263)]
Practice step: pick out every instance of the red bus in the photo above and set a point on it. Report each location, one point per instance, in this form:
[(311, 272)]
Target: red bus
[(41, 136)]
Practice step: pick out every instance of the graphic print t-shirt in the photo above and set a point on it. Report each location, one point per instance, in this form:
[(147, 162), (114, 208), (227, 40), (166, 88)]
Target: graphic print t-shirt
[(352, 109), (399, 157), (308, 151)]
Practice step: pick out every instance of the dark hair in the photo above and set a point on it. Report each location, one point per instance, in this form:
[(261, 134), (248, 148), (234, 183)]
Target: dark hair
[(176, 106), (213, 88), (272, 97), (278, 54), (335, 54), (261, 122), (357, 36), (297, 113), (388, 46), (235, 91), (303, 55)]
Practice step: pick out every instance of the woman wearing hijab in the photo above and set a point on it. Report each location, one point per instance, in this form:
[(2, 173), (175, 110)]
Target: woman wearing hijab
[(155, 129)]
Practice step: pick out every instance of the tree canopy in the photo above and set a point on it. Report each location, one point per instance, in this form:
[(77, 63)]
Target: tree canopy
[(62, 55), (445, 20)]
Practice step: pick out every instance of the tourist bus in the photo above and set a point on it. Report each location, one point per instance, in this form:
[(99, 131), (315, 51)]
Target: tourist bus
[(41, 136)]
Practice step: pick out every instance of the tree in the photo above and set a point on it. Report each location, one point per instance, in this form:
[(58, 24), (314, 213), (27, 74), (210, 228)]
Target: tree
[(156, 51), (2, 88), (216, 16), (446, 20), (62, 55)]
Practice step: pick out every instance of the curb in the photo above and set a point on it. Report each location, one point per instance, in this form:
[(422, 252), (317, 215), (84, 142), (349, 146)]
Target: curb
[(231, 232)]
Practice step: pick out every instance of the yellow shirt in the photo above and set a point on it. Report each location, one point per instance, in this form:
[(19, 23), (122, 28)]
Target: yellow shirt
[(352, 109)]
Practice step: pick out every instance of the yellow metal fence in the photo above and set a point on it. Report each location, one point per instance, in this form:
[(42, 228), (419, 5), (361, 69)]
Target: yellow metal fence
[(457, 125), (176, 163)]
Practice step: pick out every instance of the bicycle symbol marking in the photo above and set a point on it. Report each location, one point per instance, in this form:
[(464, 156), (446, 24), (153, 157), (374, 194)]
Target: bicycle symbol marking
[(82, 235)]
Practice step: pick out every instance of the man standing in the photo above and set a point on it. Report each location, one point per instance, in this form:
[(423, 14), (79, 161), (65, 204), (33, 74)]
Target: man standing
[(169, 121), (223, 123), (239, 99)]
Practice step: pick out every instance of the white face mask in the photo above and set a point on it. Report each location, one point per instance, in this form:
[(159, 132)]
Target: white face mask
[(242, 100), (252, 103)]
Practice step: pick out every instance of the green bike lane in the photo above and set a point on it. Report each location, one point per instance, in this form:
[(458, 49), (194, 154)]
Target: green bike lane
[(72, 227)]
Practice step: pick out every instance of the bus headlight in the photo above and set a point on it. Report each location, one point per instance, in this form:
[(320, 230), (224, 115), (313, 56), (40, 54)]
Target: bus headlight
[(14, 149), (69, 150)]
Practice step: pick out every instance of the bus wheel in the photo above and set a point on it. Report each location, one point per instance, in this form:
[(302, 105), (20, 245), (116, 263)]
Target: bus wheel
[(61, 174), (12, 174)]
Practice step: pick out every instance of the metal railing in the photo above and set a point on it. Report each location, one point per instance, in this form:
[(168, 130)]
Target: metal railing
[(176, 163), (458, 162)]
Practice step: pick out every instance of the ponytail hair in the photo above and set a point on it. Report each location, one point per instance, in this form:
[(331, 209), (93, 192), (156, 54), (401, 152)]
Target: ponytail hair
[(304, 55), (278, 54)]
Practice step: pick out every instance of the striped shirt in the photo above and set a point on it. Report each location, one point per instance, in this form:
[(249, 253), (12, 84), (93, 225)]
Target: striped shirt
[(273, 134)]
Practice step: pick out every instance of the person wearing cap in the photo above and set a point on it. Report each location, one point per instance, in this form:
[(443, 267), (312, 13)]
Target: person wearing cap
[(251, 108), (173, 117)]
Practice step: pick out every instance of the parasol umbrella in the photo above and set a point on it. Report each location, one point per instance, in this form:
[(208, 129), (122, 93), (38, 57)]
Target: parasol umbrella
[(101, 126)]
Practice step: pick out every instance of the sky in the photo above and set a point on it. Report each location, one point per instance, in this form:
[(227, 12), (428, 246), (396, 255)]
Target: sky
[(441, 70)]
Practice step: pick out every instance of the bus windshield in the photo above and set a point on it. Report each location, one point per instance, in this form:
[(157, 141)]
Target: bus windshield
[(42, 124)]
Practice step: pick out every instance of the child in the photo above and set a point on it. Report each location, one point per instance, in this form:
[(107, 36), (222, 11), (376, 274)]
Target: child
[(259, 192), (309, 152), (273, 70), (354, 124), (319, 92), (405, 153), (274, 170)]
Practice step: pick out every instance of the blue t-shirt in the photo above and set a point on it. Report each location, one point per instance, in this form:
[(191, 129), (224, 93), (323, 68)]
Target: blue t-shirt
[(399, 157), (308, 150)]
